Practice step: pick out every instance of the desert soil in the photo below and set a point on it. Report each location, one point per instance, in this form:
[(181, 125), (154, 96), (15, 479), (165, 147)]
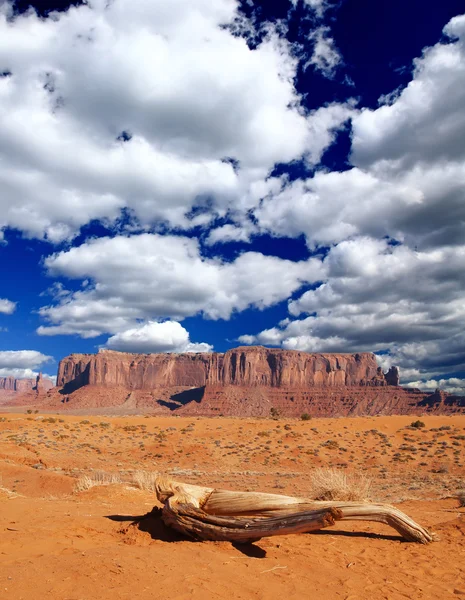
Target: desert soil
[(59, 540)]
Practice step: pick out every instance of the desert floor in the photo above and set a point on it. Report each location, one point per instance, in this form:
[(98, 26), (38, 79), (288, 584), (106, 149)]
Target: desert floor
[(62, 539)]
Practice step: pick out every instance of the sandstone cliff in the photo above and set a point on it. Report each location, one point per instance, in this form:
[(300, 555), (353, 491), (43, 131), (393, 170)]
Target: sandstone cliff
[(10, 384), (246, 381), (249, 367)]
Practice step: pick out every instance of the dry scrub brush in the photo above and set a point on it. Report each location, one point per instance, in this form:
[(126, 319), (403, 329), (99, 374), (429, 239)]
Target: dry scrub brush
[(461, 498), (2, 487), (331, 484), (145, 480), (96, 478)]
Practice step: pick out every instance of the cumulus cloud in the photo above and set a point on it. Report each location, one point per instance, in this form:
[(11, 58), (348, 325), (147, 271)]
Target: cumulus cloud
[(332, 206), (325, 56), (151, 276), (394, 225), (23, 364), (7, 307), (176, 119), (453, 385), (229, 233), (18, 361), (317, 6), (425, 123), (169, 336), (409, 165), (25, 374), (382, 297), (129, 105)]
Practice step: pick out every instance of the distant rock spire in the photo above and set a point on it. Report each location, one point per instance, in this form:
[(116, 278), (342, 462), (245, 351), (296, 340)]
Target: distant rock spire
[(392, 376)]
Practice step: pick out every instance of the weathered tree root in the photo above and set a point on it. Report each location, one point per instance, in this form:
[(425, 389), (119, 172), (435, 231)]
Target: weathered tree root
[(208, 514)]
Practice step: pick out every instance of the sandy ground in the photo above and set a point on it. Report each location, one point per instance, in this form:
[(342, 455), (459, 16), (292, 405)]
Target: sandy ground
[(59, 543)]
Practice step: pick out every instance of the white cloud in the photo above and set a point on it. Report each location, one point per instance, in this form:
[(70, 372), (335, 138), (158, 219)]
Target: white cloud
[(453, 385), (325, 56), (409, 165), (407, 185), (379, 297), (426, 122), (168, 336), (22, 359), (7, 307), (25, 374), (194, 96), (247, 339), (23, 364), (331, 207), (188, 91), (151, 277), (324, 123), (318, 6), (228, 233)]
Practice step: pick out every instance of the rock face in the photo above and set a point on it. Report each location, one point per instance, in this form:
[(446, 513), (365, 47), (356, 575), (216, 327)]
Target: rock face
[(20, 386), (320, 402), (392, 376), (245, 381), (42, 385), (249, 367), (11, 384)]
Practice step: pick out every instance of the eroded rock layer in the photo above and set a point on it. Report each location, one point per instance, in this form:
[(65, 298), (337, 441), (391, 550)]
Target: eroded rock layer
[(10, 384), (321, 402), (250, 381), (250, 367)]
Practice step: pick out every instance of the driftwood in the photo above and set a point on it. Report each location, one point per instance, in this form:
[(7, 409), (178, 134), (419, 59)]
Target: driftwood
[(209, 514)]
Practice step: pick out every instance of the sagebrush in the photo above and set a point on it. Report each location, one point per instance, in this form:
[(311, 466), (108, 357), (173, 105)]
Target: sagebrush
[(333, 484)]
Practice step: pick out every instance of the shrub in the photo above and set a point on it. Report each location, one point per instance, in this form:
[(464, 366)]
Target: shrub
[(145, 480), (461, 498), (331, 484), (274, 412), (305, 417), (86, 482), (417, 424)]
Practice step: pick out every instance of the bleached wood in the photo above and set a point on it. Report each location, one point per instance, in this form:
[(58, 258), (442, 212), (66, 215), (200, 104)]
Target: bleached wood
[(207, 513)]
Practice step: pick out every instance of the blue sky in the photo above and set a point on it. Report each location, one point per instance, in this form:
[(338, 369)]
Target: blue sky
[(194, 175)]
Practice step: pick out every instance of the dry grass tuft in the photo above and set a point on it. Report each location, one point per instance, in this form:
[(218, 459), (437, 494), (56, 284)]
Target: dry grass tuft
[(96, 478), (2, 487), (461, 498), (5, 490), (331, 484), (145, 480)]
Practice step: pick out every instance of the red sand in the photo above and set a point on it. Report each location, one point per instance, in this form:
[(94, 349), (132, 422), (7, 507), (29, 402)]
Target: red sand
[(59, 544)]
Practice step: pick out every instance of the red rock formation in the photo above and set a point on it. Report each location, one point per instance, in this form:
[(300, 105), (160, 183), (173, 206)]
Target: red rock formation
[(242, 382), (7, 383), (255, 367), (320, 402), (16, 385), (42, 385), (21, 386), (392, 376)]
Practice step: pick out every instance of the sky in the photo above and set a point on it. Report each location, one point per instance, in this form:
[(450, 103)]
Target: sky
[(194, 175)]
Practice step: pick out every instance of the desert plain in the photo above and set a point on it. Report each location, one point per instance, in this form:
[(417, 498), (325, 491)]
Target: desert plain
[(72, 489)]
